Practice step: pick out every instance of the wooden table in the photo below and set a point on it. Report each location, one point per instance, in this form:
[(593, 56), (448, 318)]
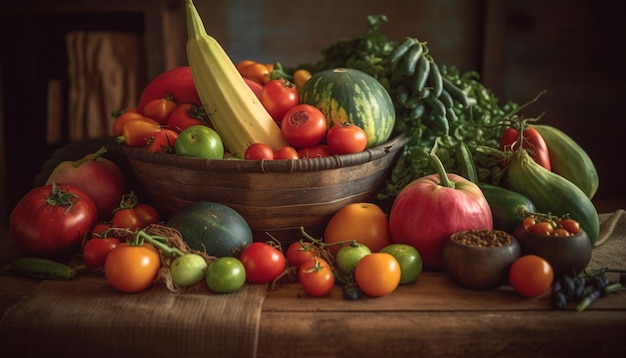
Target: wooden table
[(432, 317)]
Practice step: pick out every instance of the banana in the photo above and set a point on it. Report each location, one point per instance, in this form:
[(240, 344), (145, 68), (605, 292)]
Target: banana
[(569, 159), (234, 110), (40, 268), (411, 59)]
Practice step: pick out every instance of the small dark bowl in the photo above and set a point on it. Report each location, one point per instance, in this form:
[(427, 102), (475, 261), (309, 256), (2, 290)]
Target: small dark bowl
[(479, 267), (568, 255)]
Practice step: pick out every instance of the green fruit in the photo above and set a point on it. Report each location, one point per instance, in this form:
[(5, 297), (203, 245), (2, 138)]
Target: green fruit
[(199, 141), (188, 269), (225, 275), (346, 95), (212, 227), (348, 256), (409, 259)]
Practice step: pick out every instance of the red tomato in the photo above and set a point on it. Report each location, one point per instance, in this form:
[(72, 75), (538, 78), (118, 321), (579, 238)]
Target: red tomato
[(159, 109), (345, 139), (279, 96), (300, 252), (286, 152), (262, 261), (542, 228), (571, 225), (99, 229), (533, 142), (131, 268), (258, 151), (137, 133), (187, 115), (147, 213), (51, 221), (530, 275), (315, 151), (303, 126), (96, 250), (127, 219), (163, 141), (316, 277)]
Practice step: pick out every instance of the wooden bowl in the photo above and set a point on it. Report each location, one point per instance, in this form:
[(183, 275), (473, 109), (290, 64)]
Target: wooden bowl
[(568, 255), (275, 197), (480, 266)]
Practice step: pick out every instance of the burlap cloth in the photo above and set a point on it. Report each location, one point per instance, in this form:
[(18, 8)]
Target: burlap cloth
[(86, 317), (610, 248)]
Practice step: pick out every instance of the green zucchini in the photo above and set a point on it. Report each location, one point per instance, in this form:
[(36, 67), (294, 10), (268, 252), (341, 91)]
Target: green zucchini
[(552, 193), (505, 206)]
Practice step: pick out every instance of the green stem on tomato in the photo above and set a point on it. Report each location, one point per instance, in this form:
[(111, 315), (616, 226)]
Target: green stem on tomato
[(157, 241)]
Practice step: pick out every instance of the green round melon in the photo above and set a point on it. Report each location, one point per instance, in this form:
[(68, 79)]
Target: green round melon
[(346, 95), (212, 227)]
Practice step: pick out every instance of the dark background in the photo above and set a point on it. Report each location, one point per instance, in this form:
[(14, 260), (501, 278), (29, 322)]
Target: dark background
[(519, 47)]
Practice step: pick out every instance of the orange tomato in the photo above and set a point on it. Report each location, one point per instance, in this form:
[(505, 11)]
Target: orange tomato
[(131, 268), (256, 72), (364, 222), (300, 77), (531, 275), (159, 109), (377, 274), (243, 63)]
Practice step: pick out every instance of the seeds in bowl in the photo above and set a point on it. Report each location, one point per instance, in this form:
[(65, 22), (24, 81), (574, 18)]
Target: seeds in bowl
[(484, 238)]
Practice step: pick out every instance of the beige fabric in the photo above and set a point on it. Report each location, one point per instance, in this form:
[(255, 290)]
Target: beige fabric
[(610, 249), (104, 76), (86, 317)]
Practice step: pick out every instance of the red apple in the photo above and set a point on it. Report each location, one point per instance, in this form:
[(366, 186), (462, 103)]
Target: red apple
[(428, 210), (100, 178)]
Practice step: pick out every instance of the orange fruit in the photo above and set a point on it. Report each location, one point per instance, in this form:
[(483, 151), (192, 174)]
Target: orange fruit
[(364, 222)]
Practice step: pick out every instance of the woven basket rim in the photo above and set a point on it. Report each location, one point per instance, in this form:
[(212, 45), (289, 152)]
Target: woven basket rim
[(266, 166)]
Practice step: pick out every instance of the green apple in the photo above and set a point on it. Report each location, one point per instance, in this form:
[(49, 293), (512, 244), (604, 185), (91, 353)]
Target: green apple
[(409, 259), (200, 141)]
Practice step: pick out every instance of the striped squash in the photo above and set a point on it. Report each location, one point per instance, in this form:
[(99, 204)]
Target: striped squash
[(352, 96)]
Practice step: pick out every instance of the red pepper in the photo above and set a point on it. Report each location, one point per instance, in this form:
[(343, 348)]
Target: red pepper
[(533, 142)]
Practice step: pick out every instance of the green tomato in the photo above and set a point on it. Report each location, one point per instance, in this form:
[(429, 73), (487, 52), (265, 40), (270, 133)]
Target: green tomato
[(225, 274), (409, 259), (348, 256), (188, 269)]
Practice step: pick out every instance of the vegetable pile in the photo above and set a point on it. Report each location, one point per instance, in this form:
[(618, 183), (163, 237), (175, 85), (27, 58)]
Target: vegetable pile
[(471, 163)]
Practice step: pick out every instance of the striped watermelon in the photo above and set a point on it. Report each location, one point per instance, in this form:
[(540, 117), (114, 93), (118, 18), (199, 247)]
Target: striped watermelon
[(349, 95)]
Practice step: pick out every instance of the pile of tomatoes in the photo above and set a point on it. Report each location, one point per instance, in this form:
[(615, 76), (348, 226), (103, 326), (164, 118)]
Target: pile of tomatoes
[(157, 127), (547, 225), (304, 126)]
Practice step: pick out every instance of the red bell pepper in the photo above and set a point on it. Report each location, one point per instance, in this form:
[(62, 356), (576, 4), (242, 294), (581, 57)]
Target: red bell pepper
[(531, 140)]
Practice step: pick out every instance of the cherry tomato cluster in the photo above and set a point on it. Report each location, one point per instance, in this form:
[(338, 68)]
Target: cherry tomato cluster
[(304, 126), (158, 125), (548, 225), (130, 216)]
